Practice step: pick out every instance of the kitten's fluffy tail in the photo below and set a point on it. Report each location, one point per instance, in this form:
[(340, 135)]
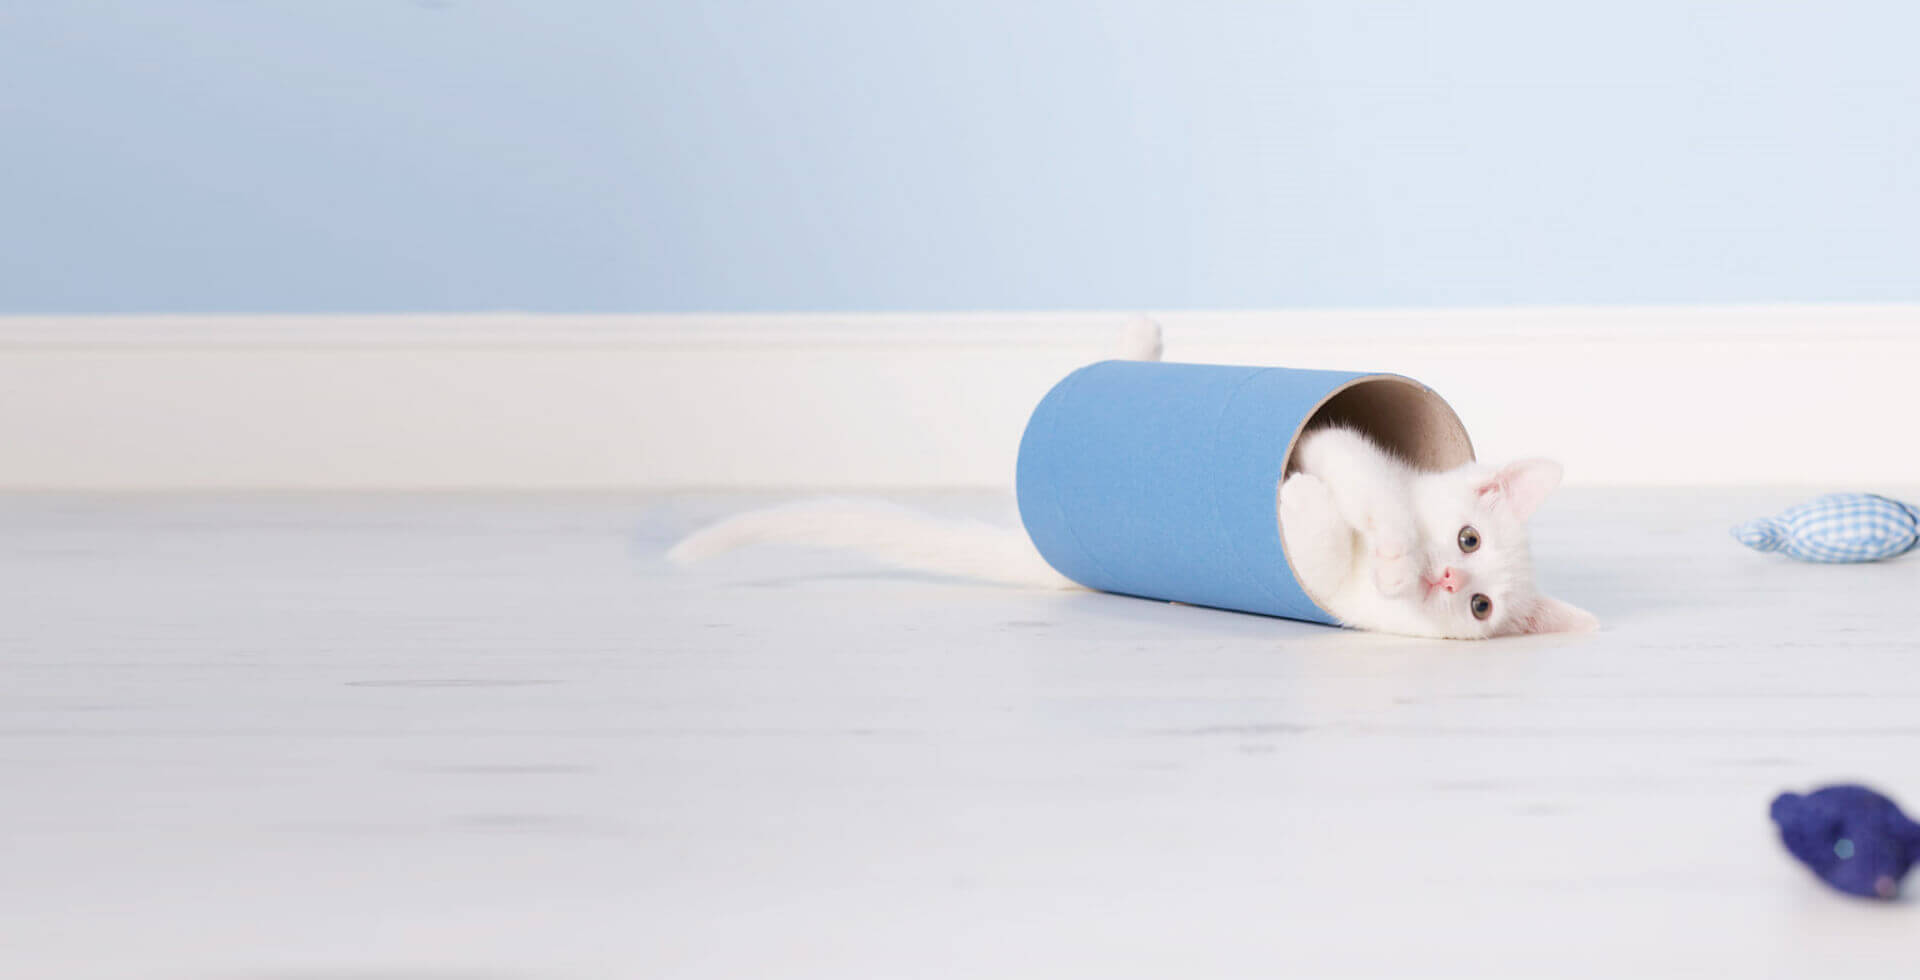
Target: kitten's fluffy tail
[(895, 535), (901, 537)]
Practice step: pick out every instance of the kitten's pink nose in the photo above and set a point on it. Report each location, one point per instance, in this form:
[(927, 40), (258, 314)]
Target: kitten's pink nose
[(1451, 579)]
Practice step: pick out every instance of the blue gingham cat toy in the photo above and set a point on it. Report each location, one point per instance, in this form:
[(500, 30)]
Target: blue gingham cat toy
[(1839, 527)]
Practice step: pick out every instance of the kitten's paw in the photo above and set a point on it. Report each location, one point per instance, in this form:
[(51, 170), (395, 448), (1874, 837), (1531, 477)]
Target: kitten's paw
[(1394, 577), (1320, 546), (1396, 567), (1304, 501), (1141, 340)]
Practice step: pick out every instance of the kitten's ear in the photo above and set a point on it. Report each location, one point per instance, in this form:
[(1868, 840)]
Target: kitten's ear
[(1554, 616), (1523, 485)]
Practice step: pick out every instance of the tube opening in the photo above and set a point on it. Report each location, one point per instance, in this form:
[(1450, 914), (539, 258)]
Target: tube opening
[(1403, 416)]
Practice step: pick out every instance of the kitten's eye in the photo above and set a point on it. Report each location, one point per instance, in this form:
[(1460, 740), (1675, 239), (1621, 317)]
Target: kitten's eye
[(1469, 539), (1481, 605)]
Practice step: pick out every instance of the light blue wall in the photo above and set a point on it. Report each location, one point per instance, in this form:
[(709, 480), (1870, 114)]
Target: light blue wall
[(727, 154)]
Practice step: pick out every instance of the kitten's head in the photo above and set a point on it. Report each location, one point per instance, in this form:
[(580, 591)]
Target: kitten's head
[(1477, 578)]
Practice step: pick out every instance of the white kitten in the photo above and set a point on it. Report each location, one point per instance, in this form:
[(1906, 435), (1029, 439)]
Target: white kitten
[(1385, 546), (1368, 536)]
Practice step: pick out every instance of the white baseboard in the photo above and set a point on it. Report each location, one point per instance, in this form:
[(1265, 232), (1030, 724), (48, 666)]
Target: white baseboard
[(1808, 395)]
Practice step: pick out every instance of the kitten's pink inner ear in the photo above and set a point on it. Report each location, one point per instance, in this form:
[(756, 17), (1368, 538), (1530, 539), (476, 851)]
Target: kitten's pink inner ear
[(1554, 616), (1522, 486)]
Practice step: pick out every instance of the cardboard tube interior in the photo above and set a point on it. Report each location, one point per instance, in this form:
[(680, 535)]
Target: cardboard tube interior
[(1400, 414)]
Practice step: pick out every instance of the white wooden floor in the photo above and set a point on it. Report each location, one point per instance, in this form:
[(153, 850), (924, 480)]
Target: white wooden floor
[(419, 737)]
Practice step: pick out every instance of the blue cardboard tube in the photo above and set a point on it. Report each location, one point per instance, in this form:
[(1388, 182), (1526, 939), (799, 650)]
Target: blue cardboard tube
[(1162, 480)]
